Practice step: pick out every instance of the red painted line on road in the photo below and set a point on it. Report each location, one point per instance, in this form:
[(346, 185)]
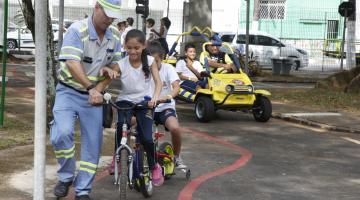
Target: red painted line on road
[(187, 192)]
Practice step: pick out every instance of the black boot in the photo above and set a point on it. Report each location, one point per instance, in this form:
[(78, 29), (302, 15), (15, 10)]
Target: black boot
[(82, 197), (61, 189)]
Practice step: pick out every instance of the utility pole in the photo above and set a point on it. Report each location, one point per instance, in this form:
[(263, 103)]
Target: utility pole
[(247, 34), (350, 42), (41, 12)]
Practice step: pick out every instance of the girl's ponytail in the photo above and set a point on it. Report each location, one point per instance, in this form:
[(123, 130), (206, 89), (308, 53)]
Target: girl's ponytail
[(145, 64)]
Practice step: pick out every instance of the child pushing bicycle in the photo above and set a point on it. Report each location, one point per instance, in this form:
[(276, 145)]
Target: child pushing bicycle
[(165, 113)]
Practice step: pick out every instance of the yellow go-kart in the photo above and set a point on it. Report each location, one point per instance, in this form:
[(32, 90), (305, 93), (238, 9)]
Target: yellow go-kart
[(234, 92)]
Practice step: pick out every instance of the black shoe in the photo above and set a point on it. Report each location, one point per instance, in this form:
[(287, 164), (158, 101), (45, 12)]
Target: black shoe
[(61, 189), (82, 197)]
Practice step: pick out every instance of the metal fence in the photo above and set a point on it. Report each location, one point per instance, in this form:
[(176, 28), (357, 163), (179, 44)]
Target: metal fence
[(316, 31), (74, 13)]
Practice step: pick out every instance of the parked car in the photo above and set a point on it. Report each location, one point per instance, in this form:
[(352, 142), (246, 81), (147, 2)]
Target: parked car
[(24, 36), (67, 22), (266, 47), (12, 27)]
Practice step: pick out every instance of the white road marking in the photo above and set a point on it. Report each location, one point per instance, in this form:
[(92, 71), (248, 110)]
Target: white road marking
[(315, 114), (30, 74), (351, 140)]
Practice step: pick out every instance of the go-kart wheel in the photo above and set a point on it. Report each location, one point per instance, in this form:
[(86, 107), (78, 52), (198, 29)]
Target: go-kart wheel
[(262, 109), (204, 109)]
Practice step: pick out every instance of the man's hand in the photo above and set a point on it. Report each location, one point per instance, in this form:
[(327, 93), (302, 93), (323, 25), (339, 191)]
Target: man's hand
[(106, 71), (95, 97)]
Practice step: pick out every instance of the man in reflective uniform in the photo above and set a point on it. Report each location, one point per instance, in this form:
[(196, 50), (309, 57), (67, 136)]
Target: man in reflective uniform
[(90, 49)]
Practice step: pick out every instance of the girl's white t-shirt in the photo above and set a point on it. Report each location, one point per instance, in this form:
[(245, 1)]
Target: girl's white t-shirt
[(134, 85), (185, 71), (168, 76)]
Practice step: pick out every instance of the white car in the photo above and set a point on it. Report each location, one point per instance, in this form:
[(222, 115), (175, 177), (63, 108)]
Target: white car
[(23, 37), (266, 47)]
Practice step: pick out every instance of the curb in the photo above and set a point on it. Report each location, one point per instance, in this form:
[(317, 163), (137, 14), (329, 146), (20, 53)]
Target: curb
[(282, 81), (306, 122)]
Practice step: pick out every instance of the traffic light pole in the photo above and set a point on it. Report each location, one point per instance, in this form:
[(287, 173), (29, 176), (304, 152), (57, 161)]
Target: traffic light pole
[(143, 9), (144, 24)]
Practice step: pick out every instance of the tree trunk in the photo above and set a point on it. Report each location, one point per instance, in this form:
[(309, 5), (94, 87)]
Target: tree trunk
[(350, 42), (256, 15), (29, 15)]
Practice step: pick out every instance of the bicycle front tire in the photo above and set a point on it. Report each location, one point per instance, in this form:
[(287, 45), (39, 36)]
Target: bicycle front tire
[(123, 173)]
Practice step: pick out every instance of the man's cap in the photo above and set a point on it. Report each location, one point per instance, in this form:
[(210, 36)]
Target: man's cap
[(111, 8)]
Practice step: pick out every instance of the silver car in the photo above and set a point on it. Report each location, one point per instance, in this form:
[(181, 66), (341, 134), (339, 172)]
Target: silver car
[(266, 47)]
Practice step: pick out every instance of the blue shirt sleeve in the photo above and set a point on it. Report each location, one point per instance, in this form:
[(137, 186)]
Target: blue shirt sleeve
[(72, 48)]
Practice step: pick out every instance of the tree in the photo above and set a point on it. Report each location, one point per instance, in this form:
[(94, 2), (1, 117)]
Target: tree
[(350, 42), (29, 15)]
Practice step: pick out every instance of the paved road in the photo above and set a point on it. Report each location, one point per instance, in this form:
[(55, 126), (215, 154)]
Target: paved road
[(278, 161), (235, 157)]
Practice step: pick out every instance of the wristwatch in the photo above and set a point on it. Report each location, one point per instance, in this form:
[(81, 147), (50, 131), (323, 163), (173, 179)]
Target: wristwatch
[(90, 87)]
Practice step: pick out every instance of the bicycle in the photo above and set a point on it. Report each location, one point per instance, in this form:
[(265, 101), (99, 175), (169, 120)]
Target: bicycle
[(165, 156), (131, 167)]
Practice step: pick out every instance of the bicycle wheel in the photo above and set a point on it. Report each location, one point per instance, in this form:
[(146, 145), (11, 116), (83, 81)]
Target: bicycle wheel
[(168, 163), (146, 186), (123, 173)]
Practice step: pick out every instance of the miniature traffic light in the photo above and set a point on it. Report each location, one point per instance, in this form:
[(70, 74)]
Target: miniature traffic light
[(143, 8)]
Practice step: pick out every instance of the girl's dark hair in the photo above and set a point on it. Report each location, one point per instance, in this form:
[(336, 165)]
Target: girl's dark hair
[(166, 22), (151, 21), (140, 37), (155, 47)]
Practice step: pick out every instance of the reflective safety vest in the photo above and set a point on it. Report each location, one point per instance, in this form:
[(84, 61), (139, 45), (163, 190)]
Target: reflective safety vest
[(93, 55)]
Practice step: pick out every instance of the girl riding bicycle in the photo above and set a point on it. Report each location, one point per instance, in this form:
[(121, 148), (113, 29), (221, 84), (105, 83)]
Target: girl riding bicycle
[(137, 71)]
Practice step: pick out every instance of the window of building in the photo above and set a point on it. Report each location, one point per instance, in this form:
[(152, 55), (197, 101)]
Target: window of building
[(332, 29), (272, 9)]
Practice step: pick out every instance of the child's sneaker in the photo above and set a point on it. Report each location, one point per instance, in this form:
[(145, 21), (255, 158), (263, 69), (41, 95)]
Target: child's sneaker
[(157, 175), (179, 163)]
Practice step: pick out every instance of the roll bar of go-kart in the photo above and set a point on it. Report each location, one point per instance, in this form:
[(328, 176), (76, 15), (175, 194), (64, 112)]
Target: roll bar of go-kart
[(195, 31)]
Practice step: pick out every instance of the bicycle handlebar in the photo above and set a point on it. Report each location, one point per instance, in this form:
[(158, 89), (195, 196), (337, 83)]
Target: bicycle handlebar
[(141, 105)]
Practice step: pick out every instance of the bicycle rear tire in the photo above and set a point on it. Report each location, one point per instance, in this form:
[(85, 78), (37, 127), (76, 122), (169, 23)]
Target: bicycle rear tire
[(168, 164), (123, 173)]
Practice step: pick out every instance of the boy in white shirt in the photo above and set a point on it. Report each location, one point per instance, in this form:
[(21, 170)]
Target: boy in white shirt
[(165, 113), (189, 70)]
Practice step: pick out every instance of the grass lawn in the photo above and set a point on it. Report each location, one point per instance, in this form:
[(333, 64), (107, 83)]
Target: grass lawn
[(319, 99)]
